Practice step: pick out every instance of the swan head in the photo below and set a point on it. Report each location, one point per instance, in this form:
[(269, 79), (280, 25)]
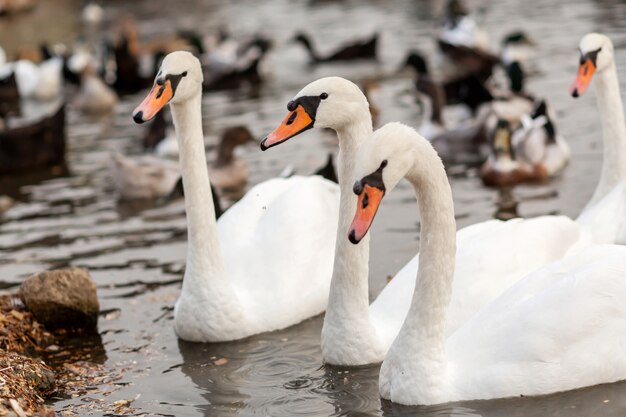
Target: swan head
[(178, 80), (383, 159), (331, 102), (596, 54)]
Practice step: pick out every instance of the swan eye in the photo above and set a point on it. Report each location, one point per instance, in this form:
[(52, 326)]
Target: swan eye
[(324, 96), (383, 164), (184, 74)]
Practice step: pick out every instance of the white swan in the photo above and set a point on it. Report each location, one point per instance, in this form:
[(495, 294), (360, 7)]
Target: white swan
[(609, 198), (562, 327), (356, 333), (234, 285)]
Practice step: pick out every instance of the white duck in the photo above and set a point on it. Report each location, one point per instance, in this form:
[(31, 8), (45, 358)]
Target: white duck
[(142, 177), (560, 328), (234, 285), (94, 95), (609, 198), (356, 333), (42, 81)]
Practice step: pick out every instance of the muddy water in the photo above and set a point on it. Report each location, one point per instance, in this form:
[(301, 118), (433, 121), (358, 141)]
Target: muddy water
[(136, 252)]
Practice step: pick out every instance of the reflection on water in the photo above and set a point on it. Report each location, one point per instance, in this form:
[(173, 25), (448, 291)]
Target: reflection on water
[(603, 400), (278, 374), (136, 251)]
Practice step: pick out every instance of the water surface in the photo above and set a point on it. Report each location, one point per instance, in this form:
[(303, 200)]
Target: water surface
[(136, 252)]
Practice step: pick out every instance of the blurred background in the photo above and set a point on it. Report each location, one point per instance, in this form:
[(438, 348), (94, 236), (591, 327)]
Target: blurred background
[(82, 185)]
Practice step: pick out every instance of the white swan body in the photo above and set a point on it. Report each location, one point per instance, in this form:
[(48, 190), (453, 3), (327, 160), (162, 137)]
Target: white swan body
[(267, 263), (355, 333), (560, 328)]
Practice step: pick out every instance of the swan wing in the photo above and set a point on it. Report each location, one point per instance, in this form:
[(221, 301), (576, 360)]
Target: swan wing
[(491, 256), (560, 328), (278, 245)]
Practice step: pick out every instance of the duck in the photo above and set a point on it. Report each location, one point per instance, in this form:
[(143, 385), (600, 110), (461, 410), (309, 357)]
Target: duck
[(27, 145), (361, 49), (467, 89), (154, 176), (94, 95), (234, 286), (516, 48), (355, 333), (243, 70), (143, 177), (504, 166), (125, 51), (538, 141), (228, 172), (458, 28), (533, 339), (42, 82)]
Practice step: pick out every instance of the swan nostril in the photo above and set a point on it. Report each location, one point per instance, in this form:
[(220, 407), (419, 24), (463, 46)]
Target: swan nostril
[(366, 201), (138, 117), (352, 237), (291, 119)]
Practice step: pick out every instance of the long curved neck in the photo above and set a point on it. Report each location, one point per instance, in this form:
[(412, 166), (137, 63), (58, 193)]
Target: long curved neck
[(348, 303), (420, 345), (613, 132), (204, 260)]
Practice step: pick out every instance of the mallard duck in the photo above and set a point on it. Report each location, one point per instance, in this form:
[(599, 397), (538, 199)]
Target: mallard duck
[(228, 171), (362, 49)]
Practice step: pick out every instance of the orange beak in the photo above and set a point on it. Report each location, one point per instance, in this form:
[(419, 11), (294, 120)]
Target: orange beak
[(367, 206), (295, 123), (158, 97), (585, 73)]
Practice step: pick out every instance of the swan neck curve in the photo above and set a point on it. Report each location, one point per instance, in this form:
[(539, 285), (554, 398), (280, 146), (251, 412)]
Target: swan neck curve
[(347, 330), (204, 261), (419, 349), (613, 133)]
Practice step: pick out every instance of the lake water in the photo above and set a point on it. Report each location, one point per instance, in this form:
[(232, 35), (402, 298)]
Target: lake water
[(136, 252)]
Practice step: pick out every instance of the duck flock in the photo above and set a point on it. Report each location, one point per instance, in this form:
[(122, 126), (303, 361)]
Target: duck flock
[(497, 309)]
